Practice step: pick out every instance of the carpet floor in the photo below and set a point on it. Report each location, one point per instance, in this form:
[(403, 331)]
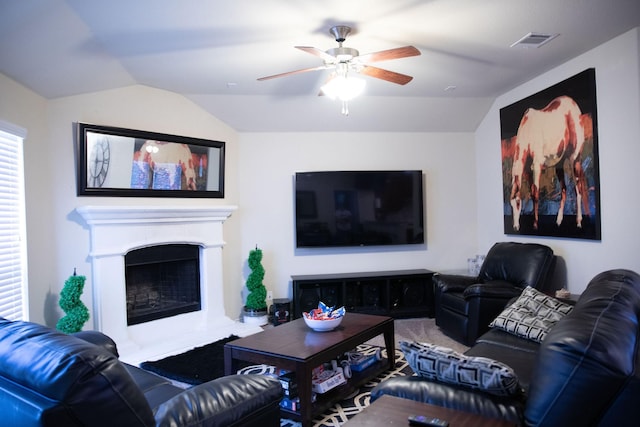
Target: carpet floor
[(421, 330), (205, 363)]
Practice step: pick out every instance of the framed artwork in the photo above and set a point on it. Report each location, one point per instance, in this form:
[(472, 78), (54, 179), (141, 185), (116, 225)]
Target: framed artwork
[(125, 162), (549, 146)]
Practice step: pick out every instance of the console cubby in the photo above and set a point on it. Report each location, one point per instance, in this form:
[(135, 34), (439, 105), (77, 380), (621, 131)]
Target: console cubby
[(403, 293)]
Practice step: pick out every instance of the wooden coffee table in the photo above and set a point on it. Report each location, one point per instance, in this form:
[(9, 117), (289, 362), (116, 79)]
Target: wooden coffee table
[(394, 411), (295, 347)]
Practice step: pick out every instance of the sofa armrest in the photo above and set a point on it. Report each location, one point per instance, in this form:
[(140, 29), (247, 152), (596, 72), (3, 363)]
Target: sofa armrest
[(454, 397), (500, 289), (453, 282), (226, 401), (99, 339)]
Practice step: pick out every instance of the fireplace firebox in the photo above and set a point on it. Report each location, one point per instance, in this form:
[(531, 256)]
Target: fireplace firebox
[(162, 281)]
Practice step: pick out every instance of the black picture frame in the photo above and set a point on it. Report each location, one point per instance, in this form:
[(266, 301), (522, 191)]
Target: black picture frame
[(120, 162), (550, 161)]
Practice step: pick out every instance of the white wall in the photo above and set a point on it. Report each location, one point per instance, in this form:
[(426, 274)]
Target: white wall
[(22, 107), (618, 108), (58, 240), (136, 107), (268, 161), (259, 172), (462, 173)]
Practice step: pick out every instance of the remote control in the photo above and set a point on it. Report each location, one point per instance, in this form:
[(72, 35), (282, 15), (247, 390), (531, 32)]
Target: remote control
[(421, 420)]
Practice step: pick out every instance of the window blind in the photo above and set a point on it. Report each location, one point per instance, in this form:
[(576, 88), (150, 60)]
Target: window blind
[(13, 279)]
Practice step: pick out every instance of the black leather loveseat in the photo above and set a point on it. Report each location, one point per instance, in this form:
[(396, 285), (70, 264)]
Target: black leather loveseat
[(585, 372), (48, 378)]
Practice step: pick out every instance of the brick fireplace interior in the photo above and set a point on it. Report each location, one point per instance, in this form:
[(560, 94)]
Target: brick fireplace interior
[(162, 281)]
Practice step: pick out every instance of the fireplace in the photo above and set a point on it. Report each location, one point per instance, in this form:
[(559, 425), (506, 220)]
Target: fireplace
[(119, 233), (162, 281)]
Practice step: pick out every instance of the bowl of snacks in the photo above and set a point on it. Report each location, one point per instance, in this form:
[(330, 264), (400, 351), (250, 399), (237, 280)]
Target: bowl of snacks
[(323, 318)]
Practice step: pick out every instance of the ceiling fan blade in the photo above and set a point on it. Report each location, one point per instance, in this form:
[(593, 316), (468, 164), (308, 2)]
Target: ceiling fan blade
[(385, 55), (317, 52), (390, 76), (290, 73)]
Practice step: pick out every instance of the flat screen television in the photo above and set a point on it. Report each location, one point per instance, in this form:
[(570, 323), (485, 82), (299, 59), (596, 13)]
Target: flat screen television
[(358, 208)]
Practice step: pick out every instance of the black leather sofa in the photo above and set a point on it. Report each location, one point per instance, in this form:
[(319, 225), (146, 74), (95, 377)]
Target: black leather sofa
[(48, 378), (586, 371)]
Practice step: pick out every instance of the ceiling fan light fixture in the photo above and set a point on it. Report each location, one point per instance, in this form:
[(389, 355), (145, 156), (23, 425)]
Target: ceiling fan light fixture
[(347, 61), (344, 88), (343, 54)]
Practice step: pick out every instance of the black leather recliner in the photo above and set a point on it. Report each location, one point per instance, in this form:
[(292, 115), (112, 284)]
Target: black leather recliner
[(48, 378), (465, 305)]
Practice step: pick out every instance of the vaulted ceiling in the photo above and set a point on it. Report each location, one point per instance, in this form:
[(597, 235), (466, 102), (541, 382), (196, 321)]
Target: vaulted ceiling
[(213, 51)]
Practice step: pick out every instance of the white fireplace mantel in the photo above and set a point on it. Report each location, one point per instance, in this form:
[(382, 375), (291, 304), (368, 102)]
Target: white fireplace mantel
[(136, 214), (183, 224), (116, 230)]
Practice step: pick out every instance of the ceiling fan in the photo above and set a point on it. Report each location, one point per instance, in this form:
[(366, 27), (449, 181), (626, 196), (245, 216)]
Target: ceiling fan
[(346, 59)]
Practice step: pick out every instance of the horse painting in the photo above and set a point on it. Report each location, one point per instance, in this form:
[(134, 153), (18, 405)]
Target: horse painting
[(547, 161), (549, 148)]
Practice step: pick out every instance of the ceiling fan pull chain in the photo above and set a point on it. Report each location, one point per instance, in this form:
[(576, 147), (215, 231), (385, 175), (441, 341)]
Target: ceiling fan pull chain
[(345, 108)]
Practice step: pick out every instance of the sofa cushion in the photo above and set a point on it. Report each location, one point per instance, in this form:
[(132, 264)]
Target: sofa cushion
[(155, 388), (446, 365), (516, 352), (532, 315)]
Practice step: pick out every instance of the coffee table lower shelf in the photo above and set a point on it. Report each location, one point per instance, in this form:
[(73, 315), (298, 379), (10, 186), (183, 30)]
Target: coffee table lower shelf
[(326, 400)]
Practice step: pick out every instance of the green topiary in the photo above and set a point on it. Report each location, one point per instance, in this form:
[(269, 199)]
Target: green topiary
[(77, 313), (257, 298)]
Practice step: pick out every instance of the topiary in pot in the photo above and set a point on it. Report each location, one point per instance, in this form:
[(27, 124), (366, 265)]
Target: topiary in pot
[(257, 298), (77, 313), (255, 309)]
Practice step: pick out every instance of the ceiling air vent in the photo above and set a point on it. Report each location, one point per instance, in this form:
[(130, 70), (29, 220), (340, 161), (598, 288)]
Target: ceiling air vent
[(534, 40)]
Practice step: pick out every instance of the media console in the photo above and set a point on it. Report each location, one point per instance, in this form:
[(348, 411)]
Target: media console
[(402, 293)]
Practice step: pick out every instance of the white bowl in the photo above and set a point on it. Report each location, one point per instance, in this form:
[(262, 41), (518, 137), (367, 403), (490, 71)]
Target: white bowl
[(323, 325)]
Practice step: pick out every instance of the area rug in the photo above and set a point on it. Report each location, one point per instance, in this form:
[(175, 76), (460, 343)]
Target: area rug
[(207, 362), (193, 367), (345, 409)]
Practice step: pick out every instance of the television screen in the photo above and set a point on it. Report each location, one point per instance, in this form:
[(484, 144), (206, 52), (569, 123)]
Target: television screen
[(358, 208)]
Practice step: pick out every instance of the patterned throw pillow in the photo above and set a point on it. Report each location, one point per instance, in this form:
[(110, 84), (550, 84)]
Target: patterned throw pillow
[(532, 315), (446, 365)]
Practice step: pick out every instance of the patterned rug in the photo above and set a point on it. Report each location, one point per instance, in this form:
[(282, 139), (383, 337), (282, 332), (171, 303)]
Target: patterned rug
[(342, 411), (420, 329)]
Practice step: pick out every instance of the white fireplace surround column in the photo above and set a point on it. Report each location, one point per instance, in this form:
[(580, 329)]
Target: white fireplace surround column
[(116, 230)]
